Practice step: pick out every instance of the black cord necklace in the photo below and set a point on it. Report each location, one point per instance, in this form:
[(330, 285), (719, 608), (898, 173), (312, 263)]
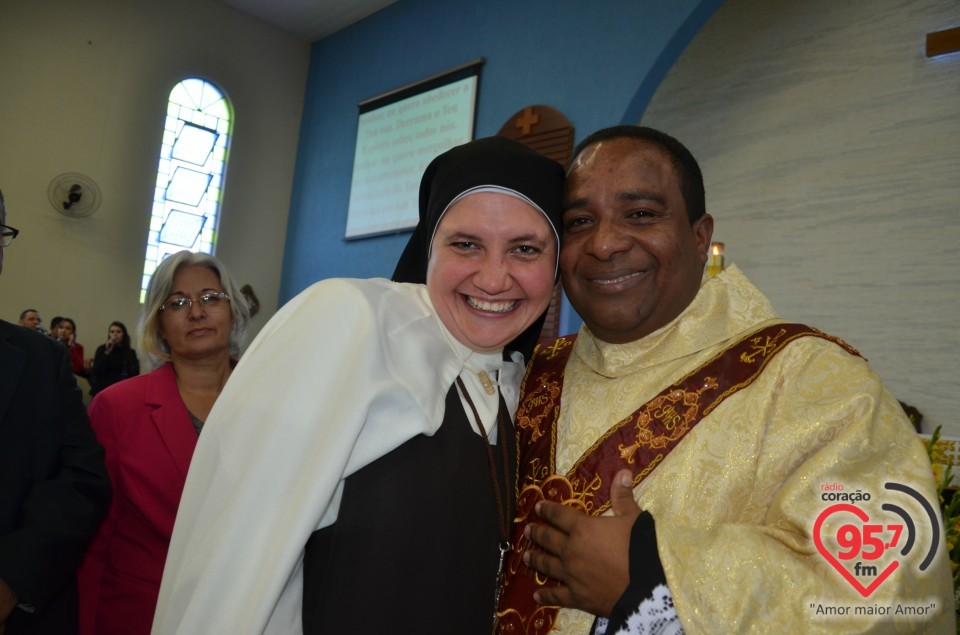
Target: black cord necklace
[(502, 495)]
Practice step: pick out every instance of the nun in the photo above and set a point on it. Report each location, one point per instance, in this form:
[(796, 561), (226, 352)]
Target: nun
[(364, 481)]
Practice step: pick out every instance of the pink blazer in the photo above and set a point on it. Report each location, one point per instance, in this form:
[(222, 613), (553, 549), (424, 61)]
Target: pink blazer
[(149, 441)]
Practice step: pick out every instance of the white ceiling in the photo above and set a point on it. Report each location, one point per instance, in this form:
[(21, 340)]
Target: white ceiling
[(310, 20)]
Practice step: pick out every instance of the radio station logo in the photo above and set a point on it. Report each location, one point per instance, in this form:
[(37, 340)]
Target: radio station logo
[(866, 545)]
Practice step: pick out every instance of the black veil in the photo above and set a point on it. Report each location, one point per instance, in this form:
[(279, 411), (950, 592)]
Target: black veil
[(492, 161)]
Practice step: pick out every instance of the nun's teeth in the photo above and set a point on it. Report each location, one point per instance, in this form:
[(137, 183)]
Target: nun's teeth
[(491, 307)]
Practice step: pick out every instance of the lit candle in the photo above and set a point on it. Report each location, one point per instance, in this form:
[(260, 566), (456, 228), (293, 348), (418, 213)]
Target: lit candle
[(715, 264)]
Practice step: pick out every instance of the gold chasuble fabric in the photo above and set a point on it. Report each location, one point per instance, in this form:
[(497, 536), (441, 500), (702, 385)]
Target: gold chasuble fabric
[(737, 500), (638, 443)]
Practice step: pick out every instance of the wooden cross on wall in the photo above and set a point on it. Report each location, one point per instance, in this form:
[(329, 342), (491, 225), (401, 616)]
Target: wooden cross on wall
[(527, 121)]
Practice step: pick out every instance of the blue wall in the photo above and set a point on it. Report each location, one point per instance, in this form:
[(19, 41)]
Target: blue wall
[(598, 63)]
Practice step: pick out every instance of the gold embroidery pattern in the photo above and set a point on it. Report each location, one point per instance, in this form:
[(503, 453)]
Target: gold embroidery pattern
[(547, 392), (675, 412), (572, 492), (762, 345), (557, 347), (642, 440), (766, 348)]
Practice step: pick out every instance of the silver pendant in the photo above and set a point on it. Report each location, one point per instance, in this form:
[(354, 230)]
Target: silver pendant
[(504, 550)]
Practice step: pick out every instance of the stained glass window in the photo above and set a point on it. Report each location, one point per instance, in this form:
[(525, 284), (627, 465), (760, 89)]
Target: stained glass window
[(193, 158)]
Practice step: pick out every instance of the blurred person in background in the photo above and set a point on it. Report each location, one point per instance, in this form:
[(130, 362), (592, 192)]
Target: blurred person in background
[(54, 331), (114, 360), (66, 332), (30, 318)]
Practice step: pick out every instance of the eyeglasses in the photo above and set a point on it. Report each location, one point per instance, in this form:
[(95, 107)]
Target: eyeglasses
[(7, 234), (207, 301)]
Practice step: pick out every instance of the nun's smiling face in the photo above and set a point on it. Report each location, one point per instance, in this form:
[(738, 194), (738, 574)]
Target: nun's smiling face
[(492, 269)]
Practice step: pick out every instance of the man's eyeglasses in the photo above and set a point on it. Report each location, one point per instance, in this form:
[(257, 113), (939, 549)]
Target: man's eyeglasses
[(7, 234), (207, 301)]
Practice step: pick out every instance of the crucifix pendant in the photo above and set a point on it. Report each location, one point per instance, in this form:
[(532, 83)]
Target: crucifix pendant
[(504, 550)]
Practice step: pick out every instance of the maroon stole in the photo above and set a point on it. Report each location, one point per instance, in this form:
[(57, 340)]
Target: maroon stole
[(640, 443)]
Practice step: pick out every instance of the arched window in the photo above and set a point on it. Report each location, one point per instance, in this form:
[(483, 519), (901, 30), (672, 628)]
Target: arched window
[(193, 158)]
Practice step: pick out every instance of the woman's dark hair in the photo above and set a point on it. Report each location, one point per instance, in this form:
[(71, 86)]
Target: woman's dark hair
[(72, 323), (125, 342)]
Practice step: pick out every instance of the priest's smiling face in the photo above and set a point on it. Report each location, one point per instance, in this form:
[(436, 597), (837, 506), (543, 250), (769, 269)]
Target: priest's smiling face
[(492, 269), (632, 261)]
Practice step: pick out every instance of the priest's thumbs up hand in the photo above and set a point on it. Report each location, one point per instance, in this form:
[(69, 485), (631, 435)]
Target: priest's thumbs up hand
[(588, 555)]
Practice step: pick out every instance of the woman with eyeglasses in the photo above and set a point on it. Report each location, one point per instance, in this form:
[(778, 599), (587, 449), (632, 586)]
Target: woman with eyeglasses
[(191, 326)]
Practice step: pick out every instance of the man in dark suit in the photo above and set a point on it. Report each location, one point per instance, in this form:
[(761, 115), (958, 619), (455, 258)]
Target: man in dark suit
[(54, 487)]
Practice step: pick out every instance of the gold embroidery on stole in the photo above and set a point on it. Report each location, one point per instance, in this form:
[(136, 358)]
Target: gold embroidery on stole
[(641, 440)]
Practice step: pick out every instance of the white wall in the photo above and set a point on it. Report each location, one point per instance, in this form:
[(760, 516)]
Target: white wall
[(830, 147), (84, 89)]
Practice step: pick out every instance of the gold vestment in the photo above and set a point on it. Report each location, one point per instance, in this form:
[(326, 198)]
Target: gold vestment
[(735, 502)]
